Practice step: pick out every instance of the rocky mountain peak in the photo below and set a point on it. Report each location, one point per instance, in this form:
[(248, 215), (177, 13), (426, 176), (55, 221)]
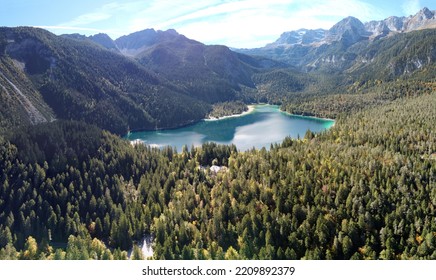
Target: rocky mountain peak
[(104, 40), (137, 39), (335, 48), (349, 30), (135, 43), (425, 13), (377, 28), (423, 19), (301, 37), (349, 23), (395, 24)]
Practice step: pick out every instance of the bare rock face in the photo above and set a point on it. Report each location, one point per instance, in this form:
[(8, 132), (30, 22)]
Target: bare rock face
[(300, 37), (349, 30), (395, 24), (377, 28), (422, 19)]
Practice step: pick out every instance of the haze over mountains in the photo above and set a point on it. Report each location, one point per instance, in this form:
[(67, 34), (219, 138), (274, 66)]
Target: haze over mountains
[(161, 79)]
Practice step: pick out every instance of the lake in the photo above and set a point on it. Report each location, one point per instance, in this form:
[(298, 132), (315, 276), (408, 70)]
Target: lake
[(266, 124)]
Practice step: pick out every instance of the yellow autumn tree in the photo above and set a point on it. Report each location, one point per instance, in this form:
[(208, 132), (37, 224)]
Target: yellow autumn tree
[(30, 249)]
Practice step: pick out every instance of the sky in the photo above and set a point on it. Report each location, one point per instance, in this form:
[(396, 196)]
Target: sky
[(235, 23)]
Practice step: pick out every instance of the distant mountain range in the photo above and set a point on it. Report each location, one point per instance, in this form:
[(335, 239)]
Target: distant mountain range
[(314, 49), (161, 79), (351, 30)]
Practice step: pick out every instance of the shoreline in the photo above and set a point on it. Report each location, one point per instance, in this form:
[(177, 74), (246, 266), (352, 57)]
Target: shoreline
[(311, 117), (250, 110)]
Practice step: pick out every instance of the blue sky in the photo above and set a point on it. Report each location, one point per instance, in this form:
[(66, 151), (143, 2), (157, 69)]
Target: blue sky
[(235, 23)]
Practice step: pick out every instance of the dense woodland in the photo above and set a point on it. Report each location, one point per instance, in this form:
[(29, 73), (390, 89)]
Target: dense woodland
[(227, 109), (365, 189)]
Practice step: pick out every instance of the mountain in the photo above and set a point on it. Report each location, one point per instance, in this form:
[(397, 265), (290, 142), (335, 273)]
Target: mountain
[(100, 39), (396, 56), (338, 48), (354, 28), (77, 79), (146, 80), (21, 102), (348, 31), (105, 41), (422, 20), (208, 73), (161, 79), (211, 73), (135, 43), (299, 37)]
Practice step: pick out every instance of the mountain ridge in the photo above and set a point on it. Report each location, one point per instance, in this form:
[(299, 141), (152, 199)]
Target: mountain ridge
[(161, 80), (155, 79), (80, 80), (338, 49), (216, 68), (425, 18)]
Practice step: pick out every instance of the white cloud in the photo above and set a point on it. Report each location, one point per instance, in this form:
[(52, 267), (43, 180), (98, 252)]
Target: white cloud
[(250, 23), (88, 23), (236, 23), (70, 29), (107, 11), (240, 29), (125, 6), (411, 7), (88, 19), (161, 13)]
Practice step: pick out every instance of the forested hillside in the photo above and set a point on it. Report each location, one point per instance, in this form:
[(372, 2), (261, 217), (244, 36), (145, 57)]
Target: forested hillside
[(211, 73), (82, 81), (21, 103), (170, 81)]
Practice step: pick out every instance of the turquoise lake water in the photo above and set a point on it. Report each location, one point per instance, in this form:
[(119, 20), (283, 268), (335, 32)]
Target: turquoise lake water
[(266, 124)]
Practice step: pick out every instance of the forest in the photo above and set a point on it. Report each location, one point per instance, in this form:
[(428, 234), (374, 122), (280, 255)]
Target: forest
[(365, 189), (223, 109)]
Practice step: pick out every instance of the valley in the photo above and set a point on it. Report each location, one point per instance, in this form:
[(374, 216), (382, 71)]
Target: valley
[(71, 187)]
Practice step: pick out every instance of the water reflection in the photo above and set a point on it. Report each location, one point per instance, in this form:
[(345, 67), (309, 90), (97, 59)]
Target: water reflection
[(265, 125)]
